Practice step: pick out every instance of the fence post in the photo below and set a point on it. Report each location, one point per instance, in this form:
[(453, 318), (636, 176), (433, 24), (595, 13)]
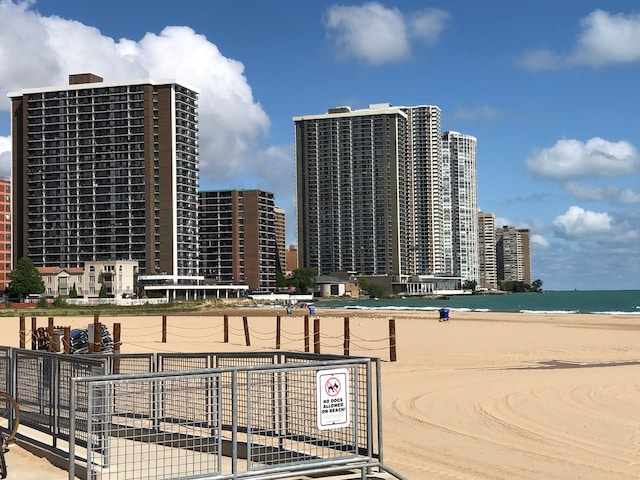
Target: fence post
[(96, 343), (278, 326), (306, 333), (34, 327), (247, 340), (117, 330), (316, 335), (226, 329), (392, 339), (66, 340), (164, 329), (50, 332), (23, 333), (347, 338)]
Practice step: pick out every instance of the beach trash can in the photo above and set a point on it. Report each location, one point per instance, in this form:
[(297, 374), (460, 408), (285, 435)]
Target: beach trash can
[(444, 315), (312, 310)]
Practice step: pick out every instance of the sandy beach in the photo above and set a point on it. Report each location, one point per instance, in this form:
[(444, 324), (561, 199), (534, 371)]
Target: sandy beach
[(483, 396)]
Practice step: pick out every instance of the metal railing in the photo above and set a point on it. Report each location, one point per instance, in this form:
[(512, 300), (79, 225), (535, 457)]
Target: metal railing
[(203, 415)]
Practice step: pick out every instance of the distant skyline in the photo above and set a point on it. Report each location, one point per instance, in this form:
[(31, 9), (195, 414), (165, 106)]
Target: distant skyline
[(547, 88)]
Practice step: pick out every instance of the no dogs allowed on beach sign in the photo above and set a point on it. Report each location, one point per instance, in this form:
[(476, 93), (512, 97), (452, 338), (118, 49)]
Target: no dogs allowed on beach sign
[(333, 398)]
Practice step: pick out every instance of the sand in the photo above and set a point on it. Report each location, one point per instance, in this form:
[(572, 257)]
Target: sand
[(483, 396)]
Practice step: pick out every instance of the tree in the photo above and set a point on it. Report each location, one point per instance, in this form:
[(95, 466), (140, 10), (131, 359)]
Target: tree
[(536, 285), (303, 279), (375, 290), (25, 280), (469, 285), (103, 292), (73, 293)]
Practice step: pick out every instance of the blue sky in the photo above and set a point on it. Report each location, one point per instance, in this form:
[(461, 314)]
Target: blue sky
[(549, 89)]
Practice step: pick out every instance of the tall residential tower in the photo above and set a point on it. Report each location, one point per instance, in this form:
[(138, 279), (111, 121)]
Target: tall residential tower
[(105, 171), (352, 198)]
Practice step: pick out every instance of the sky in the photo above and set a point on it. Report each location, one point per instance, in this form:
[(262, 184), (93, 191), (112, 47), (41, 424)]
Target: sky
[(548, 88)]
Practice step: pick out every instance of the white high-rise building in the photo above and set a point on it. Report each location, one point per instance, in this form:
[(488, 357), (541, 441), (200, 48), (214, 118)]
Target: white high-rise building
[(460, 205)]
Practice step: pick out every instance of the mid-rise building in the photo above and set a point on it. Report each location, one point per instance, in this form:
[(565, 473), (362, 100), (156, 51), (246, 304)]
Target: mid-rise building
[(237, 238), (513, 254), (291, 259), (106, 171), (5, 231), (460, 206), (487, 250), (351, 185)]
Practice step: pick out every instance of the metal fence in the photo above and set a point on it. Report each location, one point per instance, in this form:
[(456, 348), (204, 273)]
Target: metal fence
[(202, 415)]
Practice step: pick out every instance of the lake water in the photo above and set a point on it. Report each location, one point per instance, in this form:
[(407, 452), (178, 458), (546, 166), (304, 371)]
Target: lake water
[(587, 301)]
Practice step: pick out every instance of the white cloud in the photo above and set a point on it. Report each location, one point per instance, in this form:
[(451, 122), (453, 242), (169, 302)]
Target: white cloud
[(377, 35), (43, 51), (604, 39), (539, 240), (608, 193), (5, 157), (429, 24), (577, 222), (573, 158), (608, 38)]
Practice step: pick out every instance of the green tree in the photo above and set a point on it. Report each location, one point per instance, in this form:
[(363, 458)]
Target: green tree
[(374, 290), (73, 293), (469, 285), (281, 281), (103, 292), (536, 285), (25, 280), (303, 279)]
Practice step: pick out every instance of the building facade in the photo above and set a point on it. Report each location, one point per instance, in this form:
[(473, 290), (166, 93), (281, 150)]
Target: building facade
[(382, 192), (460, 206), (5, 231), (114, 279), (352, 199), (238, 238), (487, 250), (424, 180), (513, 254), (106, 171), (279, 226)]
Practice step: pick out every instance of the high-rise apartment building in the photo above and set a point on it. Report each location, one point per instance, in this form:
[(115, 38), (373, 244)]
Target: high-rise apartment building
[(373, 185), (107, 171), (237, 238), (460, 205), (352, 198), (487, 250), (279, 222), (5, 231), (424, 179), (513, 254)]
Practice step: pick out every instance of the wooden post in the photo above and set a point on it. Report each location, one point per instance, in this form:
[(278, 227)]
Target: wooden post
[(306, 333), (278, 326), (34, 328), (97, 335), (67, 340), (247, 340), (316, 335), (164, 329), (50, 332), (117, 329), (347, 339), (392, 339), (116, 347), (226, 329), (23, 333)]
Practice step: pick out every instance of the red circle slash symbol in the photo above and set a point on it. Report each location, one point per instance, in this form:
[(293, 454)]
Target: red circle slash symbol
[(332, 387)]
